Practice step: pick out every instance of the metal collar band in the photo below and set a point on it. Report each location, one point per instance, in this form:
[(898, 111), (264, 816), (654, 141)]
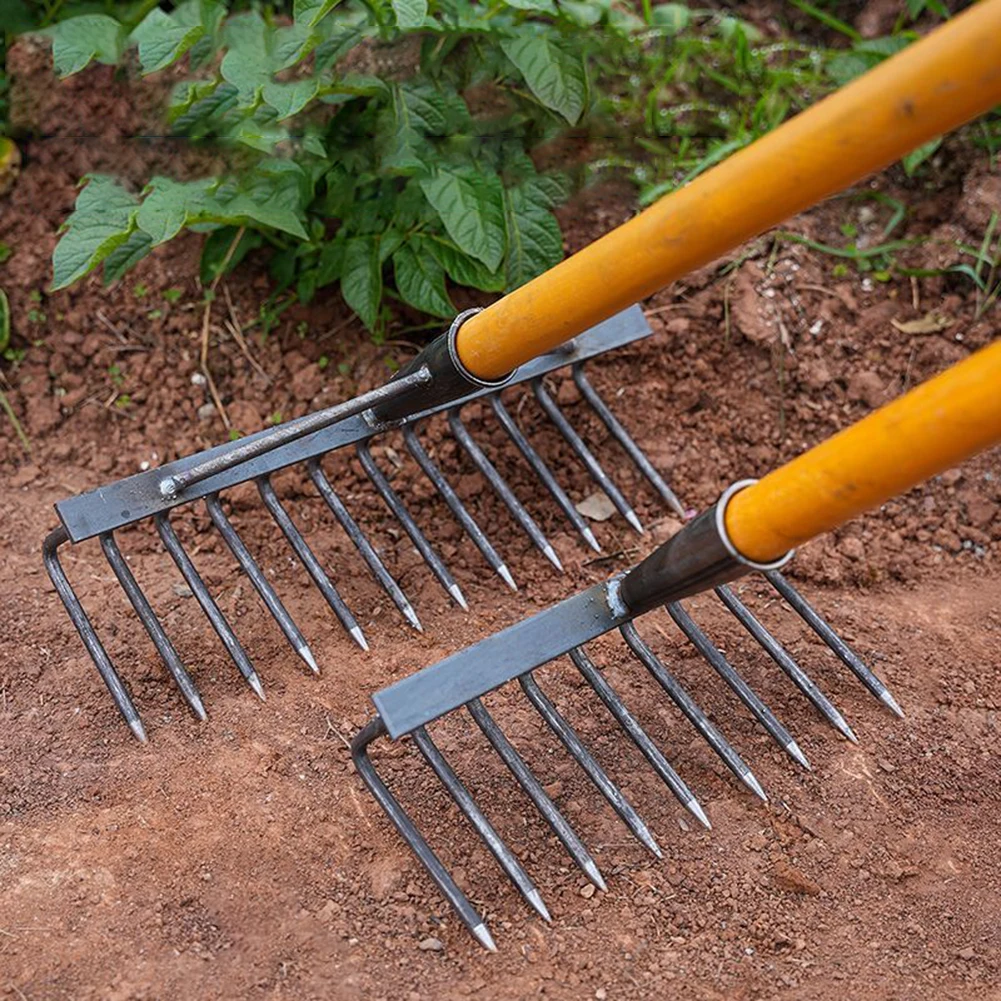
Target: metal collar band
[(728, 494)]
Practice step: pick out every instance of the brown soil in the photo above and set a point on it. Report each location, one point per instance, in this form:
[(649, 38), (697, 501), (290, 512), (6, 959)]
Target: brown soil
[(244, 858)]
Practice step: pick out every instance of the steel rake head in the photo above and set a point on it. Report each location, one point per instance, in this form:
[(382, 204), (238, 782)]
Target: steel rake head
[(206, 477), (411, 705)]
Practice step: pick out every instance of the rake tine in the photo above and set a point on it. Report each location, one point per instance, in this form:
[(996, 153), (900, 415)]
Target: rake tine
[(449, 496), (147, 616), (212, 611), (368, 554), (91, 641), (403, 516), (408, 831), (506, 494), (308, 559), (628, 722), (848, 656), (622, 436), (542, 471), (780, 655), (714, 657), (575, 746), (585, 455), (533, 788), (475, 816), (268, 595), (695, 715)]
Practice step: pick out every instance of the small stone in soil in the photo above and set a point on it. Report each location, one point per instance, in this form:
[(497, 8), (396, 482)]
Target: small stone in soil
[(587, 892), (430, 945)]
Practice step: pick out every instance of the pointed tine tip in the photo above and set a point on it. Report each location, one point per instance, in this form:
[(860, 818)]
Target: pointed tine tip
[(307, 656), (359, 637), (592, 873), (483, 936), (794, 752), (754, 785), (695, 809), (848, 732), (505, 575), (891, 703), (535, 899), (590, 539), (634, 521), (550, 555), (255, 683), (458, 596), (198, 706), (136, 726), (411, 617)]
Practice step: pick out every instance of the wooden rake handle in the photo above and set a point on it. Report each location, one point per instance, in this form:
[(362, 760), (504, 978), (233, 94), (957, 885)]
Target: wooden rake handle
[(933, 427), (933, 86)]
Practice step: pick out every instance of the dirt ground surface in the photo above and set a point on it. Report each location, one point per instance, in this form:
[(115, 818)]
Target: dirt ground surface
[(244, 858)]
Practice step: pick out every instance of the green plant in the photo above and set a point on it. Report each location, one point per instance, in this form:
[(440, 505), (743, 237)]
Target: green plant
[(386, 181)]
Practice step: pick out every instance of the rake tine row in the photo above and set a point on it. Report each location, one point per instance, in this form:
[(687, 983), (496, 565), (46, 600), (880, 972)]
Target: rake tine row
[(308, 559), (560, 826), (714, 657), (505, 857), (575, 746), (212, 611), (781, 657), (80, 619), (261, 584), (403, 516), (688, 706), (585, 455), (847, 656), (499, 484), (622, 436), (628, 722), (151, 623), (408, 831), (451, 499), (542, 471), (364, 547)]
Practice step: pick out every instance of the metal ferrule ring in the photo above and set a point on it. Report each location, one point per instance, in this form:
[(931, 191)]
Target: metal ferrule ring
[(453, 354), (721, 504)]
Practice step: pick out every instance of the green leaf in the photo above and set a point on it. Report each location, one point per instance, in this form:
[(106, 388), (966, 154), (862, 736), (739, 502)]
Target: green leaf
[(554, 75), (4, 321), (463, 269), (126, 255), (101, 221), (78, 40), (420, 279), (361, 278), (410, 14), (289, 99), (167, 206), (585, 12), (248, 68), (163, 39), (543, 6), (672, 17), (916, 157), (535, 243), (311, 12), (290, 45), (471, 205), (272, 216)]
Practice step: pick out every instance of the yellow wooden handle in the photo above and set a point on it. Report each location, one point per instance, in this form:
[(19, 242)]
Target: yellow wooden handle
[(931, 87), (924, 432)]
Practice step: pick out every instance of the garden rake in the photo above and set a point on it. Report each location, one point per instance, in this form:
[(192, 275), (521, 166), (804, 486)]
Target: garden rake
[(752, 527), (577, 311)]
